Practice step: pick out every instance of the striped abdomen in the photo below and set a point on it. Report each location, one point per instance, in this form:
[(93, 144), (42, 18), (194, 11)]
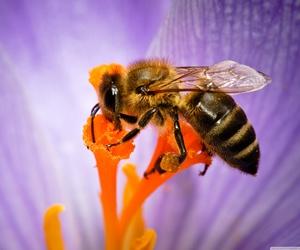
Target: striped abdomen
[(224, 128)]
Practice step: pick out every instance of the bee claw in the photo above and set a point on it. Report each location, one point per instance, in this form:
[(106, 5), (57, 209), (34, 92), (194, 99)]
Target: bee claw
[(150, 172), (203, 172), (108, 146)]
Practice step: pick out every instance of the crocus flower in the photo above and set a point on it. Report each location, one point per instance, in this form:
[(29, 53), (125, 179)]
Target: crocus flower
[(46, 51)]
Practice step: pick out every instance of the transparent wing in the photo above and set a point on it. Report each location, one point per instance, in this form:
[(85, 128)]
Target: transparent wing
[(227, 76)]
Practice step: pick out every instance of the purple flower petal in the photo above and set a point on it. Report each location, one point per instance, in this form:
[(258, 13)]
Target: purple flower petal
[(225, 209), (46, 50)]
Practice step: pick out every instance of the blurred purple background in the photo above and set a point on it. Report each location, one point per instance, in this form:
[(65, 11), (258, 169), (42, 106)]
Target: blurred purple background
[(46, 50)]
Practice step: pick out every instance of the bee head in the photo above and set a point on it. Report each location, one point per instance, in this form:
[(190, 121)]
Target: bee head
[(106, 79)]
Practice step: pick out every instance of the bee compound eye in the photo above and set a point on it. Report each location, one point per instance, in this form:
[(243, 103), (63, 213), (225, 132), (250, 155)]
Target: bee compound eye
[(109, 99)]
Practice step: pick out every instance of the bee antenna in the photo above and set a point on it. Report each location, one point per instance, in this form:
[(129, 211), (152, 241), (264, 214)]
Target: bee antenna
[(94, 111)]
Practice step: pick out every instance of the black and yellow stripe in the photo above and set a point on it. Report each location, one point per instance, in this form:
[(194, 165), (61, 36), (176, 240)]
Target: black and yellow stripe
[(224, 127)]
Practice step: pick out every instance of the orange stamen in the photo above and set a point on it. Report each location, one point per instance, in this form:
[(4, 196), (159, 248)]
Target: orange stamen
[(137, 237), (107, 162), (136, 227), (146, 242), (52, 228), (166, 143)]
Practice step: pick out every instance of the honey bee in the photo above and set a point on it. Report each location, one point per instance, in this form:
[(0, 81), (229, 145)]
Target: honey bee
[(154, 90)]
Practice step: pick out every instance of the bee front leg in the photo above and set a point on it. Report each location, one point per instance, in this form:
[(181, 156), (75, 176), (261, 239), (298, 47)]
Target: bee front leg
[(129, 118), (145, 119)]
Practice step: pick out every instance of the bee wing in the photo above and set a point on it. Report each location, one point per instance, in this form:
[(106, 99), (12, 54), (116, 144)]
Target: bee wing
[(227, 76)]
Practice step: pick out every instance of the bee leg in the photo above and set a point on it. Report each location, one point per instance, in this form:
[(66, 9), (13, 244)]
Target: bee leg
[(94, 111), (170, 161), (178, 136), (129, 118), (147, 173), (156, 168), (206, 166), (206, 150), (203, 172), (145, 119)]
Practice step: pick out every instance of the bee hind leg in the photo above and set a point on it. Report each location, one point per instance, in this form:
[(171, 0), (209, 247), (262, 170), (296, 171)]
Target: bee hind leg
[(203, 172), (156, 168), (170, 162), (206, 166), (178, 136)]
